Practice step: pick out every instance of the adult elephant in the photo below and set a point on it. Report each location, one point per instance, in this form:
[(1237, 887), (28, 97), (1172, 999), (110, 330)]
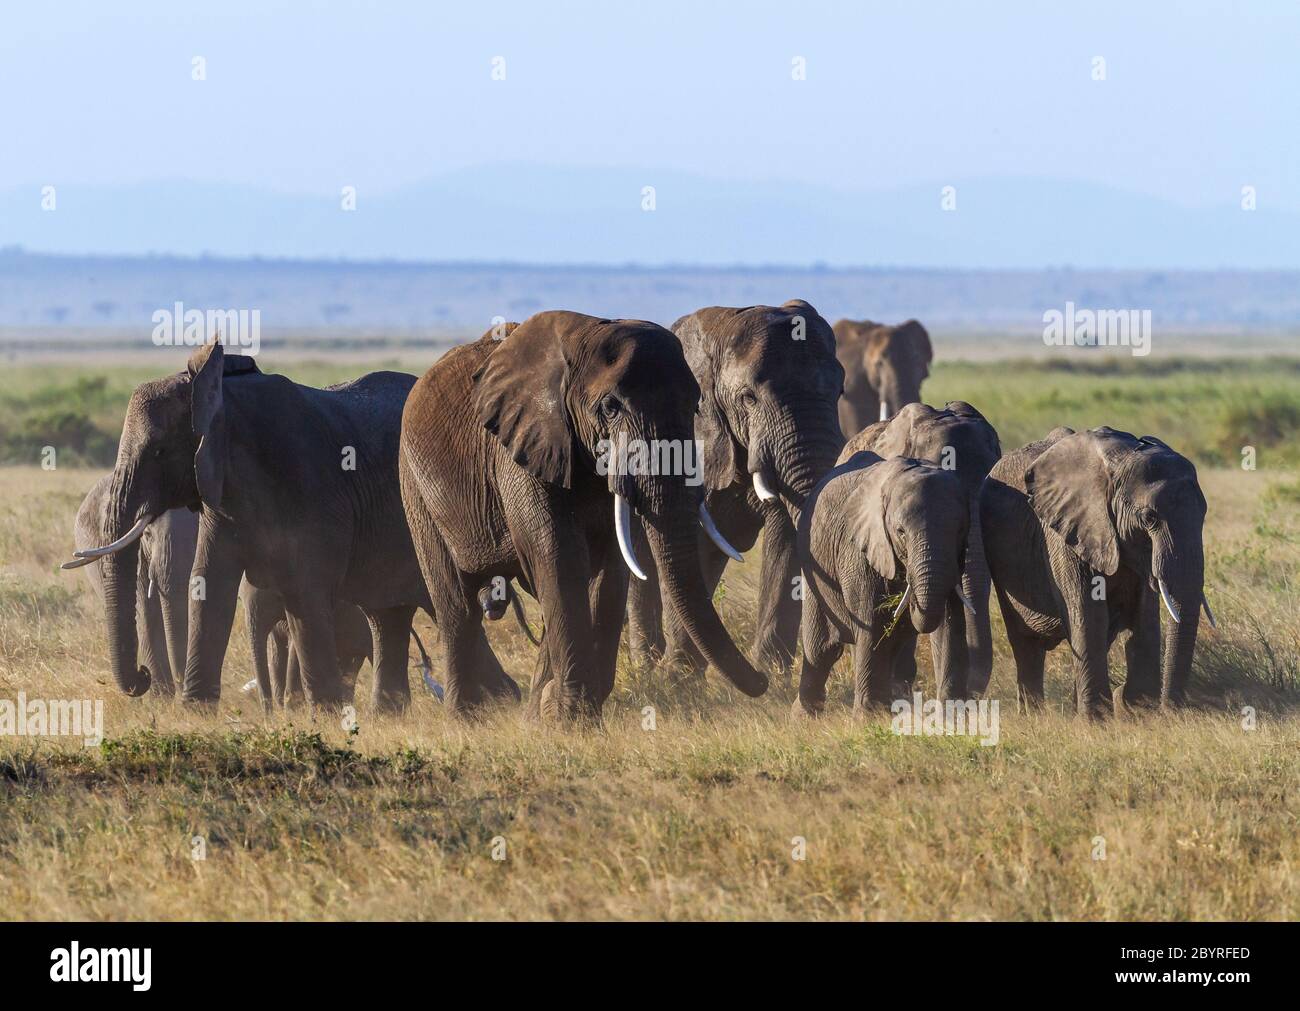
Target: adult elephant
[(959, 439), (297, 488), (162, 582), (1087, 533), (500, 473), (769, 382), (884, 367)]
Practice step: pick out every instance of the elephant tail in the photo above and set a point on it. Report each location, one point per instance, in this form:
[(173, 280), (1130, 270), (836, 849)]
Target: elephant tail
[(520, 617)]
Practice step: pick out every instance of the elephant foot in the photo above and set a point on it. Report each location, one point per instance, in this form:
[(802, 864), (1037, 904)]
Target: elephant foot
[(807, 709), (683, 666)]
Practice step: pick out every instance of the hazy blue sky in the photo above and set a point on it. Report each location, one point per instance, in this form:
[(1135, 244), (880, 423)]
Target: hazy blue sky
[(1200, 98)]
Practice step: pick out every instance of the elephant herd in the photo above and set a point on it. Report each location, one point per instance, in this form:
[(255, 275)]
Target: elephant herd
[(335, 514)]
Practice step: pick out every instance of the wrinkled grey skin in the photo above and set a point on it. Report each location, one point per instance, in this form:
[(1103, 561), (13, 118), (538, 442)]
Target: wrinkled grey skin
[(166, 556), (769, 384), (275, 663), (267, 462), (882, 365), (499, 473), (958, 437), (871, 528), (1077, 508)]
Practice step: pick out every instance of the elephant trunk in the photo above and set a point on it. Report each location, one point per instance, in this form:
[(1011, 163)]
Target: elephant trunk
[(120, 590), (1184, 584), (932, 581), (808, 444), (176, 624), (672, 531), (976, 584)]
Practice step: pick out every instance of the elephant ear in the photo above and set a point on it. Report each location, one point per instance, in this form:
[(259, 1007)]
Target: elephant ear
[(711, 429), (916, 336), (866, 517), (897, 436), (206, 368), (519, 398), (1069, 488)]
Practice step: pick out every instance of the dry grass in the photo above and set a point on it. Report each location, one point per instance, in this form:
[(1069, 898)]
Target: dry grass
[(694, 819)]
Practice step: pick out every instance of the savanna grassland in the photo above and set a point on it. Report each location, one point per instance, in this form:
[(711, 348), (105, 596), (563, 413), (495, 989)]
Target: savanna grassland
[(1197, 816)]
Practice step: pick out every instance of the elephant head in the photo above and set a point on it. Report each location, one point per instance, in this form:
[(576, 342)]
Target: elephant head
[(909, 519), (958, 439), (769, 384), (1119, 500), (884, 367), (171, 455), (578, 400)]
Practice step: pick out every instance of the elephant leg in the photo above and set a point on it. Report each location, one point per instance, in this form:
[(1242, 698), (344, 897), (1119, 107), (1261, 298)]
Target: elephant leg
[(1089, 638), (260, 643), (819, 653), (1030, 655), (873, 668), (683, 656), (311, 630), (949, 652), (293, 690), (276, 654), (645, 609), (607, 596), (390, 630), (1142, 654), (215, 578), (904, 676), (777, 635)]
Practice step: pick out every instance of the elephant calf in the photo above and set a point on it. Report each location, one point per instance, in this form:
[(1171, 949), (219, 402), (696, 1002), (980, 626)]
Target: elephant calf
[(1086, 533), (873, 530), (162, 584)]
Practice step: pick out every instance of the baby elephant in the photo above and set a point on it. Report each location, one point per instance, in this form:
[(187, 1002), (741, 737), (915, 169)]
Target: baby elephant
[(881, 543), (1086, 534)]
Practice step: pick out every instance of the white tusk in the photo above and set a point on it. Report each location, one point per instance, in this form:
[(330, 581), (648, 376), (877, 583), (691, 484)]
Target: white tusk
[(623, 527), (907, 596), (77, 563), (966, 600), (126, 540), (1208, 613), (706, 521), (884, 411), (1170, 606), (149, 592), (761, 489)]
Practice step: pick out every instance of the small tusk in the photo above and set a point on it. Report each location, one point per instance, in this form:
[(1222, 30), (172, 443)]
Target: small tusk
[(149, 592), (77, 563), (907, 596), (710, 528), (1170, 606), (966, 600), (126, 540), (884, 411), (623, 528), (761, 489), (1208, 613)]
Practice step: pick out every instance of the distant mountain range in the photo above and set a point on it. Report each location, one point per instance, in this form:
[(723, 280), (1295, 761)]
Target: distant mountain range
[(533, 214)]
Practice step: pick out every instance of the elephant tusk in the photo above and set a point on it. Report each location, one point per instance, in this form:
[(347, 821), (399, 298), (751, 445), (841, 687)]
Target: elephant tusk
[(125, 541), (623, 527), (902, 604), (77, 563), (149, 592), (884, 411), (961, 594), (1208, 613), (1170, 606), (761, 489), (715, 535)]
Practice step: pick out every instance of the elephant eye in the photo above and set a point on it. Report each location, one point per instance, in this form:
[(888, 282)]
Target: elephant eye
[(157, 453), (610, 407), (747, 397), (1148, 518)]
